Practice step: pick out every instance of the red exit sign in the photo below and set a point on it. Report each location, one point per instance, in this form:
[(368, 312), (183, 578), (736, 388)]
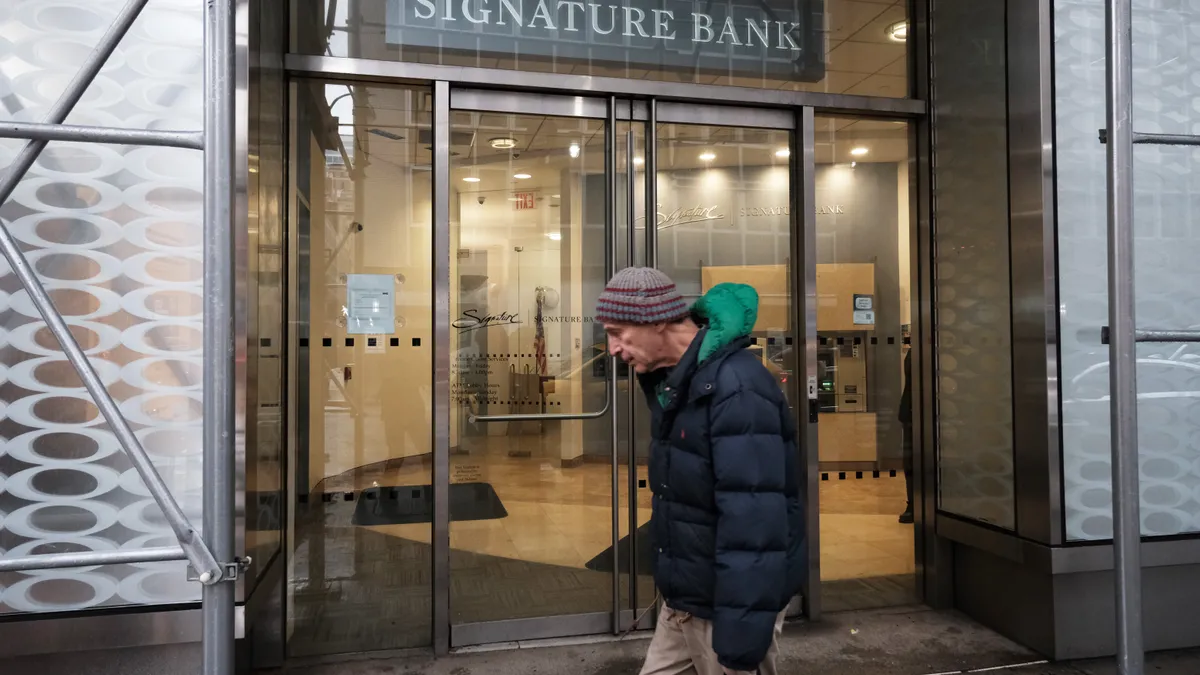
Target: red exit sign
[(523, 201)]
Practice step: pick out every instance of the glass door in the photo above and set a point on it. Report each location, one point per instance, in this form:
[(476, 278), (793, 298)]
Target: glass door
[(728, 210), (533, 466)]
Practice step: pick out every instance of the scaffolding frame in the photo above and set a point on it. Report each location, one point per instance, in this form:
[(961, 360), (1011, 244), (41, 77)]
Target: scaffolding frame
[(212, 556), (1122, 333)]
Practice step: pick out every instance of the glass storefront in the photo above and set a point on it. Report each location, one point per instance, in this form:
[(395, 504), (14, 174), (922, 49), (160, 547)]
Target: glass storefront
[(545, 194), (542, 469)]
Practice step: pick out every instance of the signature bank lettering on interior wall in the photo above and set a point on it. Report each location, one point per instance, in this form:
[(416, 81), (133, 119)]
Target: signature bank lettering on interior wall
[(759, 211), (477, 319), (778, 38)]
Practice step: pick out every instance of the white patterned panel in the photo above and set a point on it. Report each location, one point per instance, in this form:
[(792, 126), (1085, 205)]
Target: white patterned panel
[(115, 233), (1167, 248)]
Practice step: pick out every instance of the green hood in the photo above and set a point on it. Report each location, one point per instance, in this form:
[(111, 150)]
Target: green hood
[(731, 311)]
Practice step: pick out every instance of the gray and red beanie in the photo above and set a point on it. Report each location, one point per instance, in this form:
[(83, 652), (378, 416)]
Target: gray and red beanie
[(640, 295)]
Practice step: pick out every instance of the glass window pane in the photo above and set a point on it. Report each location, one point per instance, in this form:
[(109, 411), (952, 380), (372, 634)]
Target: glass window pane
[(864, 319), (1166, 208), (837, 46), (531, 500), (361, 560)]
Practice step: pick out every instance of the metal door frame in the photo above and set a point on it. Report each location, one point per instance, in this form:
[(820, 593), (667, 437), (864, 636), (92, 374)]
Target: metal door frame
[(447, 634), (651, 112)]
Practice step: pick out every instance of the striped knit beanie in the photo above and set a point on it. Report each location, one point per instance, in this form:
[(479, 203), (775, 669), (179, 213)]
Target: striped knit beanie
[(640, 295)]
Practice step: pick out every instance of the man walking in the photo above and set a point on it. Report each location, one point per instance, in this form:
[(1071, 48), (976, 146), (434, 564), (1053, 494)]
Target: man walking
[(727, 524)]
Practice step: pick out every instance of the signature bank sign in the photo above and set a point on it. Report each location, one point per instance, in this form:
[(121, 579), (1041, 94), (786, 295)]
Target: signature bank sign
[(780, 39)]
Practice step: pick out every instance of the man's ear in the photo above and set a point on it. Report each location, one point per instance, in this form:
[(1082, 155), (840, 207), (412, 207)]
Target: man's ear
[(660, 328)]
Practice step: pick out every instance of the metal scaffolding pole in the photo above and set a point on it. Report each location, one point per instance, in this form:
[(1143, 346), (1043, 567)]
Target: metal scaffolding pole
[(1122, 346), (219, 338)]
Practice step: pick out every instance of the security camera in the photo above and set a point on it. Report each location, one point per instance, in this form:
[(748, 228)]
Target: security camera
[(516, 154), (481, 199)]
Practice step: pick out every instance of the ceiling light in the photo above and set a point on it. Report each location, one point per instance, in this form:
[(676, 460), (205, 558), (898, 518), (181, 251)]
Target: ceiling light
[(859, 151), (503, 143), (638, 161), (555, 236), (707, 157), (574, 150), (522, 176), (898, 32), (555, 196), (783, 154), (471, 179)]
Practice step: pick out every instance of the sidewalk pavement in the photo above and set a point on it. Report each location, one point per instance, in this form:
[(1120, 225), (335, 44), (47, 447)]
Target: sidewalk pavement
[(909, 641)]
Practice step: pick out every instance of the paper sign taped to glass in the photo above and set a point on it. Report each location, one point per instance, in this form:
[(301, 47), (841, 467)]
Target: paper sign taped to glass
[(370, 304)]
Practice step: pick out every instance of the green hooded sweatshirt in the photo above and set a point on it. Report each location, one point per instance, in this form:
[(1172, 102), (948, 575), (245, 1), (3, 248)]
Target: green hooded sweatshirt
[(729, 311)]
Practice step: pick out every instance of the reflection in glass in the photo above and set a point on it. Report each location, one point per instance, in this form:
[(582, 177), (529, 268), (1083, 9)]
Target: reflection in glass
[(836, 46), (530, 500), (971, 267), (360, 575), (864, 314), (1166, 297)]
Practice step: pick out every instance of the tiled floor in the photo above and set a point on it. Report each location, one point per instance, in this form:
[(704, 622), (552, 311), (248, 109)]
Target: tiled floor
[(367, 588)]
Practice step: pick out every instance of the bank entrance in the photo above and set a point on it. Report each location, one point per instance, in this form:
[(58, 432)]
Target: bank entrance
[(469, 462)]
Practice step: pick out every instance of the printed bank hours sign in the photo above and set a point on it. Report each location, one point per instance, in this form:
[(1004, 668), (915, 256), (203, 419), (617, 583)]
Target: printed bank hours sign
[(779, 39)]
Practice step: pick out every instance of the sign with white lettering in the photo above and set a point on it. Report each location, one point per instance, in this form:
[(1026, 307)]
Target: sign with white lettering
[(780, 39)]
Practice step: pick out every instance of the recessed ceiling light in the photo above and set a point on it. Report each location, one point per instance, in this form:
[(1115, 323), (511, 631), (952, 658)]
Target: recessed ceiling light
[(503, 143), (898, 32), (555, 236), (471, 179), (783, 153), (707, 156), (556, 196), (573, 150), (638, 161), (859, 151), (522, 176)]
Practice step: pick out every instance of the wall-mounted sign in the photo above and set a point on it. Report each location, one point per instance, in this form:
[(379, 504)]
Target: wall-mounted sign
[(781, 39), (761, 211), (524, 201), (370, 304), (684, 216), (864, 301), (864, 317)]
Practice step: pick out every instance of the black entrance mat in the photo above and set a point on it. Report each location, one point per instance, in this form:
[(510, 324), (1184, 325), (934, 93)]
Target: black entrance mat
[(410, 504), (645, 554)]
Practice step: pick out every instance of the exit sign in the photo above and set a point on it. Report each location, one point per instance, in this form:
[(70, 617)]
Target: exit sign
[(523, 201)]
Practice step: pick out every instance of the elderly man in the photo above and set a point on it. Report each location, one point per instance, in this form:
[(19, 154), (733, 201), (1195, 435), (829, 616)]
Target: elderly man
[(728, 519)]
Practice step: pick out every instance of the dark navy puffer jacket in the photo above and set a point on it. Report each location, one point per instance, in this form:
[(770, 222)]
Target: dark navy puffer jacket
[(727, 523)]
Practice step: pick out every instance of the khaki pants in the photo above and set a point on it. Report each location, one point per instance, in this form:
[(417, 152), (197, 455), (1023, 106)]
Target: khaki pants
[(682, 645)]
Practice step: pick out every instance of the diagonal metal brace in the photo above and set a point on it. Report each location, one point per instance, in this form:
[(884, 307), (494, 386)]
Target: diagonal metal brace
[(189, 538)]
